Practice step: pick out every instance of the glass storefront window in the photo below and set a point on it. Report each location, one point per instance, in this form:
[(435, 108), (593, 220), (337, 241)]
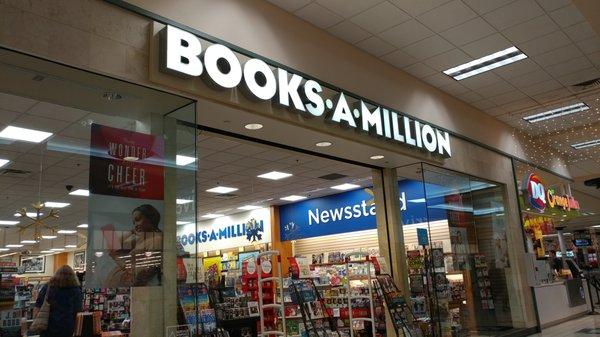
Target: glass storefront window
[(457, 271)]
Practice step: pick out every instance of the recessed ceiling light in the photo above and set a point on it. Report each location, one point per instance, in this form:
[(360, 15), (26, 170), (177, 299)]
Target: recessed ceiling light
[(345, 187), (253, 126), (275, 175), (83, 225), (182, 160), (70, 246), (324, 144), (49, 237), (4, 162), (14, 246), (54, 204), (57, 249), (565, 110), (486, 63), (183, 223), (222, 189), (67, 231), (23, 134), (183, 201), (249, 207), (80, 192), (293, 198), (583, 145), (8, 222), (212, 216), (377, 157), (28, 241)]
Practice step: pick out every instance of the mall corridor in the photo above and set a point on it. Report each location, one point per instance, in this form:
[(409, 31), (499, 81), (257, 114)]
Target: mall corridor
[(584, 326)]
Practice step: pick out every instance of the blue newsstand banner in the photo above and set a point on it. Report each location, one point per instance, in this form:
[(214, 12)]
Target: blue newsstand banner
[(354, 211)]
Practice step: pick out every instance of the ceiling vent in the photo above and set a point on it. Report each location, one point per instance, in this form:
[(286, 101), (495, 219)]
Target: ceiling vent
[(11, 173), (333, 176), (226, 196), (586, 85)]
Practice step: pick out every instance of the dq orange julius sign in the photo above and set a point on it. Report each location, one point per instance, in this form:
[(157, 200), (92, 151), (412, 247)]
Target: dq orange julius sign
[(540, 197), (566, 202)]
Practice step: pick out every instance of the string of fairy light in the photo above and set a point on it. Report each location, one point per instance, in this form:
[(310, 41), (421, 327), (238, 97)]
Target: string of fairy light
[(544, 141)]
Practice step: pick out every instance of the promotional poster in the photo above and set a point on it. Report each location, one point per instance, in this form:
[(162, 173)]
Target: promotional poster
[(126, 208)]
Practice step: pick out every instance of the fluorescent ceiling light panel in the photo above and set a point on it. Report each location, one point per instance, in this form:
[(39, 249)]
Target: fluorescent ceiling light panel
[(486, 63), (23, 134), (4, 249), (181, 160), (555, 113), (249, 207), (49, 237), (46, 252), (28, 241), (183, 201), (345, 187), (583, 145), (183, 223), (67, 231), (212, 216), (4, 162), (57, 249), (81, 192), (293, 198), (83, 225), (71, 246), (29, 214), (14, 246), (8, 222), (275, 175), (54, 204), (222, 189)]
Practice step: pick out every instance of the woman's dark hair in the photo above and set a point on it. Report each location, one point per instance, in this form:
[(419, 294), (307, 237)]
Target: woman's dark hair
[(150, 213)]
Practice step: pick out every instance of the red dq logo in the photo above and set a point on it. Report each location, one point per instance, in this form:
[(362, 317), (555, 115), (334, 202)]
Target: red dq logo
[(536, 193)]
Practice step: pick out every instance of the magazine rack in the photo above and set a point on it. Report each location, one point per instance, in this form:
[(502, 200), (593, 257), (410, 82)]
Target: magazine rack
[(264, 270)]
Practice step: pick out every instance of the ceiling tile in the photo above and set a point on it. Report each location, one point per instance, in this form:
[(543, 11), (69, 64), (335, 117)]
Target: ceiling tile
[(419, 70), (498, 88), (469, 96), (418, 7), (447, 16), (531, 29), (579, 76), (455, 88), (349, 32), (40, 123), (381, 17), (486, 46), (570, 66), (507, 97), (541, 87), (480, 81), (15, 103), (319, 16), (530, 78), (483, 104), (558, 55), (406, 33), (595, 58), (468, 32), (376, 46), (290, 5), (550, 5), (59, 112), (567, 16), (399, 59), (516, 69), (520, 104), (484, 6), (439, 80), (553, 95), (513, 14), (545, 43), (430, 46), (590, 45), (8, 116), (448, 59), (348, 8), (580, 31)]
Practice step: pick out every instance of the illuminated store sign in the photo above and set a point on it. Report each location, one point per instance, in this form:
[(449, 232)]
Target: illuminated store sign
[(540, 197), (182, 54)]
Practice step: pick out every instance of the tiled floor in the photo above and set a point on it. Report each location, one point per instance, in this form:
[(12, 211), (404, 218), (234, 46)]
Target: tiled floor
[(586, 326)]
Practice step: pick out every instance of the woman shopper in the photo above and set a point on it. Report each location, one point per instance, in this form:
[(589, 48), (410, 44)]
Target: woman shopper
[(63, 294)]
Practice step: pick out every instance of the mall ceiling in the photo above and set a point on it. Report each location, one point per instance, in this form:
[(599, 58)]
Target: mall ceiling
[(426, 37)]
